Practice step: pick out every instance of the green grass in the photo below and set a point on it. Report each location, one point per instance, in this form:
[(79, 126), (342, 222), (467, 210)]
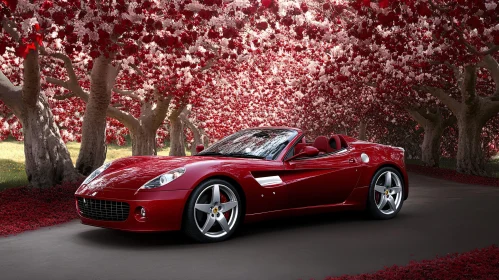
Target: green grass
[(492, 166), (13, 174)]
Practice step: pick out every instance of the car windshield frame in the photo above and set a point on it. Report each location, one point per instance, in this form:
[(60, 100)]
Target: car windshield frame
[(252, 143)]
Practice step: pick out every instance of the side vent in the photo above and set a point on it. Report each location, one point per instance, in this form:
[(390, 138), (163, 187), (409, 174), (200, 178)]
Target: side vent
[(269, 181)]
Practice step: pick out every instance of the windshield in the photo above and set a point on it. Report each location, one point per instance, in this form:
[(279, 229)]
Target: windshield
[(252, 143)]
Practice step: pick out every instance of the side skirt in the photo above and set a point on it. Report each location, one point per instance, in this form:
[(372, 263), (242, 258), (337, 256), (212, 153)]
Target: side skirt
[(356, 201)]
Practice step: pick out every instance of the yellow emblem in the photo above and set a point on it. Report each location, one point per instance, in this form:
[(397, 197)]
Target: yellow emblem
[(215, 210)]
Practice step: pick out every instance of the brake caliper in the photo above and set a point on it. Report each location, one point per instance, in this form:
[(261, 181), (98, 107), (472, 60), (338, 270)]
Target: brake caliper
[(223, 199)]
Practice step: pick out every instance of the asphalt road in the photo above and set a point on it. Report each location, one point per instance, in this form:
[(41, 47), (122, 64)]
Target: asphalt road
[(439, 217)]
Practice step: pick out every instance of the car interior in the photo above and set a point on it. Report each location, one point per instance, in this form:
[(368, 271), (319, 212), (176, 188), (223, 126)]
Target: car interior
[(325, 145)]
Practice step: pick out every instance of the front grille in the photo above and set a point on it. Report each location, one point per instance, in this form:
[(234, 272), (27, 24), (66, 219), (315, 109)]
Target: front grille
[(104, 210)]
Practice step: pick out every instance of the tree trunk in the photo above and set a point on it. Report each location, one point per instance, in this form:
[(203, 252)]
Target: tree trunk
[(472, 113), (433, 124), (470, 159), (197, 141), (206, 141), (430, 150), (362, 130), (93, 140), (471, 117), (196, 133), (143, 141), (47, 159), (177, 147)]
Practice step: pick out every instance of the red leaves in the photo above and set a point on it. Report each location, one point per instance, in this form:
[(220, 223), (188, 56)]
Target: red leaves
[(211, 2), (287, 21), (103, 35), (423, 10), (384, 4), (476, 264), (122, 27), (229, 32), (171, 41), (495, 33), (304, 7), (205, 14), (266, 3), (474, 22), (59, 17), (23, 49), (3, 47), (11, 4), (299, 32), (27, 209), (262, 25), (387, 20), (341, 78), (130, 48), (212, 34), (94, 54)]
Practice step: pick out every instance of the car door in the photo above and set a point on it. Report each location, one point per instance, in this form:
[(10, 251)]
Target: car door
[(263, 187), (322, 180)]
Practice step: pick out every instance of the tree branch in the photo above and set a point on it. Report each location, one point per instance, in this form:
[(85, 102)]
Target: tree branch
[(9, 26), (129, 93), (468, 85), (11, 95), (488, 110), (208, 65), (443, 96), (418, 117), (73, 83), (450, 121), (112, 111), (491, 50), (457, 73), (58, 82), (157, 115), (64, 96), (196, 132), (176, 113), (68, 64), (490, 63), (136, 68)]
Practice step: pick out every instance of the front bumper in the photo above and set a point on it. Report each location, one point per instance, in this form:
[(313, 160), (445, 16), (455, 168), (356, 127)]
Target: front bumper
[(164, 209)]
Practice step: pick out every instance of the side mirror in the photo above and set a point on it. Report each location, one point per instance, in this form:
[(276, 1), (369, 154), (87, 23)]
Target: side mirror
[(307, 151), (199, 148)]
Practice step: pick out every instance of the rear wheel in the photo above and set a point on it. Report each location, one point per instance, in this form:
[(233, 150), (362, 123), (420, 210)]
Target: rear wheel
[(386, 194), (213, 211)]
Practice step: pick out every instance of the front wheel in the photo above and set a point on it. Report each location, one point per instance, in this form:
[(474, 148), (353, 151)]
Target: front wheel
[(386, 194), (213, 211)]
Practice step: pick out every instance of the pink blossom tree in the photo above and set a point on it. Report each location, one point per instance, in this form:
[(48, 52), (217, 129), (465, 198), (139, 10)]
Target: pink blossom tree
[(47, 158)]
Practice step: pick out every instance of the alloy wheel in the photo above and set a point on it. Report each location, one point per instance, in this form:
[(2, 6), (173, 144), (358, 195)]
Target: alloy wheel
[(388, 192), (216, 210)]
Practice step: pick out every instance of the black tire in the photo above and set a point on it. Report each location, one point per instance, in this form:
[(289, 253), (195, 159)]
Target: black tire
[(372, 205), (189, 225)]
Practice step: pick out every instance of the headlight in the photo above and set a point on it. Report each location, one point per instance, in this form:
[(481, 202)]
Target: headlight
[(96, 173), (164, 178)]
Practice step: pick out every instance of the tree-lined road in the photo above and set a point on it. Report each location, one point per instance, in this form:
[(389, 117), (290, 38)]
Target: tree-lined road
[(439, 217)]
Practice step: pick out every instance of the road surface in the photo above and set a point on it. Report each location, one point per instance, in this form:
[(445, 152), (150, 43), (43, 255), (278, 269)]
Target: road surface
[(439, 217)]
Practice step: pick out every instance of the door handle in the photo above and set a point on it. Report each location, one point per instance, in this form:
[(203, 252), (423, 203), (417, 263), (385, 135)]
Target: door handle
[(352, 160)]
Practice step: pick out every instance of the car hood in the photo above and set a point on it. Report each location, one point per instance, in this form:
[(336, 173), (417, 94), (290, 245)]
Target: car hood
[(133, 172)]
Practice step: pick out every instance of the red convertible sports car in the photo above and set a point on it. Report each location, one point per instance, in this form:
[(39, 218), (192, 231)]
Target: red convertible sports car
[(254, 174)]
